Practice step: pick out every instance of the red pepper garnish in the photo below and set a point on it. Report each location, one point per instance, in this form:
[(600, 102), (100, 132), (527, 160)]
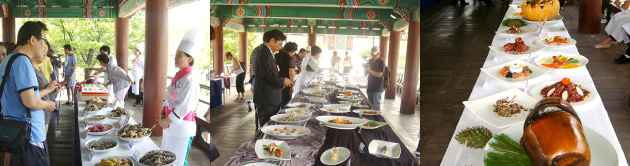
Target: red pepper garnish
[(566, 81)]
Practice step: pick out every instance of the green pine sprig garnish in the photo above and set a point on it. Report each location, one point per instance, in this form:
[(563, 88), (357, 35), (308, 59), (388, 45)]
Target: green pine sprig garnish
[(474, 137), (509, 153)]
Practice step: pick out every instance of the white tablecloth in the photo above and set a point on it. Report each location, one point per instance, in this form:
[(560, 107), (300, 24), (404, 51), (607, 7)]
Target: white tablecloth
[(593, 115), (122, 150)]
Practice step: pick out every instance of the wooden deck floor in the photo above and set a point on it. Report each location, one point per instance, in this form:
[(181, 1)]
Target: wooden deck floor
[(454, 46)]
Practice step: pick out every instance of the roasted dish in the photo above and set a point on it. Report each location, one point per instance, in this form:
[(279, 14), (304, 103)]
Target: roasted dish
[(516, 72), (273, 150), (517, 47), (557, 40), (343, 121), (514, 29), (91, 107), (508, 108), (134, 131), (116, 113), (566, 90)]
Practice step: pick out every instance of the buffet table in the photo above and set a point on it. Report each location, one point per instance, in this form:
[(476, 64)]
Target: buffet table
[(593, 115), (123, 149), (307, 149)]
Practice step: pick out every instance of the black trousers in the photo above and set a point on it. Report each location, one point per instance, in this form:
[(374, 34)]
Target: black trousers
[(32, 156), (141, 95), (286, 96), (627, 50), (240, 79), (264, 113)]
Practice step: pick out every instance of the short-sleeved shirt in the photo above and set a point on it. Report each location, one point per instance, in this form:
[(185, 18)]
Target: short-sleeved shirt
[(21, 78), (71, 60), (46, 68), (375, 84), (284, 62), (252, 59), (296, 60), (42, 82)]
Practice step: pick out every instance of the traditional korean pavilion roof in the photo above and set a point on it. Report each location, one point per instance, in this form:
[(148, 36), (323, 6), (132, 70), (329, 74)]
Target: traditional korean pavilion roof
[(75, 8)]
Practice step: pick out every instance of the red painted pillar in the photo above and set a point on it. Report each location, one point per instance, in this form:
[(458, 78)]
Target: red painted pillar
[(156, 59), (242, 48), (122, 42), (8, 27), (383, 46), (394, 48), (412, 70), (312, 37), (217, 60), (590, 16)]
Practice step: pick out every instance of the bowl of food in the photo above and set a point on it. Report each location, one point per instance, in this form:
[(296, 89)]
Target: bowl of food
[(158, 157), (297, 110), (285, 131), (272, 149), (341, 122), (94, 119), (102, 144), (99, 129), (290, 118), (118, 112), (97, 101), (133, 133), (91, 109), (121, 161)]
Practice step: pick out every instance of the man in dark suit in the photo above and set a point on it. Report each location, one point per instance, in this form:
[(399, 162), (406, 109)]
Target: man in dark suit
[(269, 85)]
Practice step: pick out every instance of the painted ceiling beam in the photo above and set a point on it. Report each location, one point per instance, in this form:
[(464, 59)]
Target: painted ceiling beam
[(130, 7), (348, 24), (384, 4), (242, 11)]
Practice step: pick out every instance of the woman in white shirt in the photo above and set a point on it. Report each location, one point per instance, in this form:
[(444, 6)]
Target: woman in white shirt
[(310, 70), (137, 71), (240, 76)]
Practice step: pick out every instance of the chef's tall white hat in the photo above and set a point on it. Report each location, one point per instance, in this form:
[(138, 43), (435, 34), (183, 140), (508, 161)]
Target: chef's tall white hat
[(192, 42), (140, 47)]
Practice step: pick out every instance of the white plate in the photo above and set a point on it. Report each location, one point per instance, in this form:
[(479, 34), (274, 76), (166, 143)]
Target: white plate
[(344, 154), (300, 131), (303, 118), (549, 22), (583, 60), (541, 41), (350, 98), (316, 100), (128, 112), (376, 146), (356, 122), (358, 105), (298, 110), (260, 164), (348, 90), (535, 92), (381, 124), (95, 122), (602, 152), (360, 111), (159, 150), (524, 30), (100, 133), (131, 162), (483, 107), (533, 48), (334, 110), (494, 71), (133, 139), (295, 105), (104, 138), (261, 153), (341, 106), (312, 92)]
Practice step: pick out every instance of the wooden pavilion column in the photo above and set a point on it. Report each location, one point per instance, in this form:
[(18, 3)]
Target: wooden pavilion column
[(412, 69), (156, 59), (590, 16), (122, 42), (394, 48), (382, 45), (8, 27), (312, 38), (242, 48), (217, 59)]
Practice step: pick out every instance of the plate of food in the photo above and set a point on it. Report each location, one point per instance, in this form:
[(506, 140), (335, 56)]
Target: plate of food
[(94, 119), (334, 110), (91, 108), (555, 41), (366, 112), (285, 131), (340, 106), (272, 149), (351, 98), (576, 93), (516, 22), (313, 92), (297, 110), (116, 161), (602, 152), (517, 49), (299, 105), (133, 132), (260, 164), (549, 22), (316, 100), (503, 109), (515, 71), (158, 157), (105, 144), (384, 149), (116, 113), (341, 122), (559, 61), (98, 101), (346, 91), (99, 129), (360, 106), (335, 155), (290, 118), (515, 31), (373, 125)]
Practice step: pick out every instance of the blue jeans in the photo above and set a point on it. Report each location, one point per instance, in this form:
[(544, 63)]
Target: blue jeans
[(375, 99)]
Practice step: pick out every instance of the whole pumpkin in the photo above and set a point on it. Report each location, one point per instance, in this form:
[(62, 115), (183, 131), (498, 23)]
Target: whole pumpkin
[(534, 12)]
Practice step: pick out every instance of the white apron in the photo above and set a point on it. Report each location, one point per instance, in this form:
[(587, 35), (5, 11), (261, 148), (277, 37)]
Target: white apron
[(183, 97), (615, 26), (306, 76), (137, 71)]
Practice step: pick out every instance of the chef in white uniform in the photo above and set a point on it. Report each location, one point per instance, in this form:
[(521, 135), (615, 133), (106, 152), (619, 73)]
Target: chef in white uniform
[(310, 69), (180, 100), (112, 61), (137, 72)]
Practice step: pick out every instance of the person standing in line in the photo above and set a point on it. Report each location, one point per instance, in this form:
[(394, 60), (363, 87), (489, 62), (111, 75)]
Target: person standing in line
[(334, 62), (297, 60), (137, 71), (46, 89), (375, 69), (181, 98), (347, 63), (69, 71), (286, 69)]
